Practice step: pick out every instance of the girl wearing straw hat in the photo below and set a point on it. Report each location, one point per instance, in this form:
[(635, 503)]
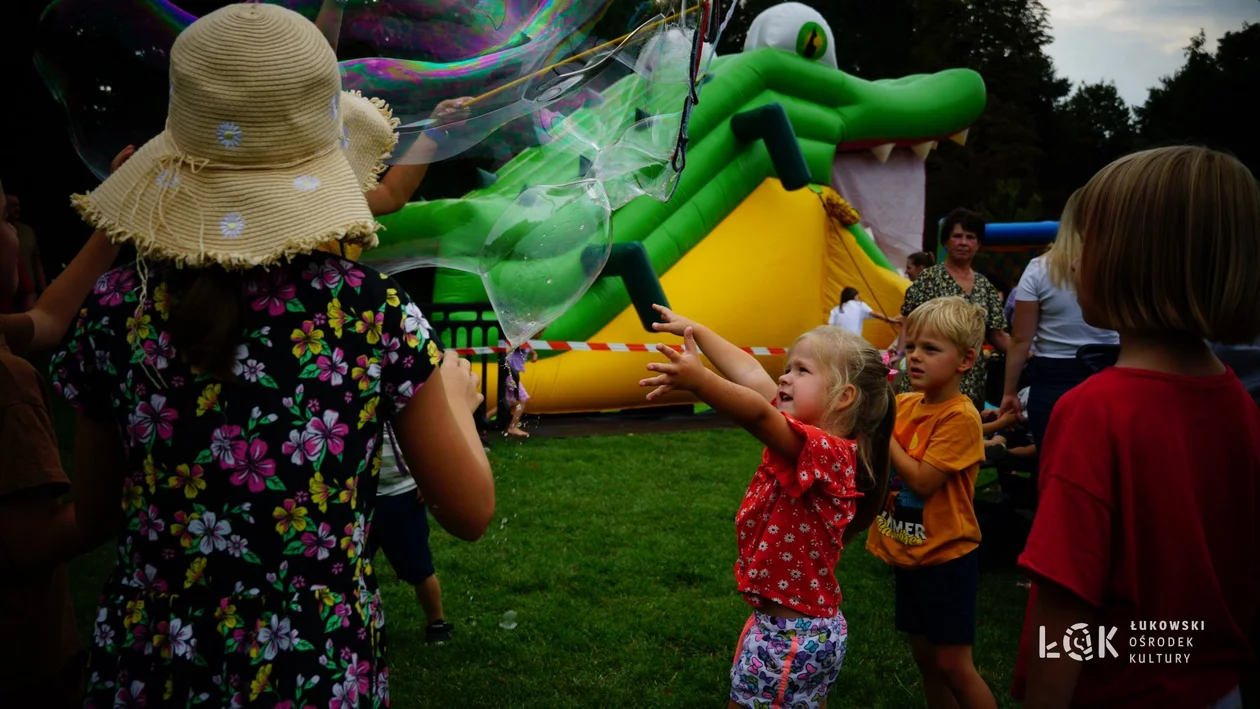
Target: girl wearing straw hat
[(232, 387)]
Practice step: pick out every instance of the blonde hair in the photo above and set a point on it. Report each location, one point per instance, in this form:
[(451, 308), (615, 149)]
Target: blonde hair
[(1171, 239), (954, 318), (1066, 247), (844, 358)]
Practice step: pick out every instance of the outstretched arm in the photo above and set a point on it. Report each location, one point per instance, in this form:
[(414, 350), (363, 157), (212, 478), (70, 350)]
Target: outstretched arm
[(746, 407), (329, 21), (734, 364), (56, 308), (402, 180)]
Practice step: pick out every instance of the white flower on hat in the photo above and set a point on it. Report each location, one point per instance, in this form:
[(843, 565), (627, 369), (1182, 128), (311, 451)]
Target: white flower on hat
[(345, 138), (332, 107), (232, 225), (305, 183), (167, 178), (229, 134)]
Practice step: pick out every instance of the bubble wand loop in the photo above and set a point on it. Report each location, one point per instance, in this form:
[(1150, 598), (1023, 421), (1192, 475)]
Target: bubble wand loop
[(618, 42)]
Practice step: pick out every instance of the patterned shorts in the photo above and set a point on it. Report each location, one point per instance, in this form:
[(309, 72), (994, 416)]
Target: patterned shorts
[(787, 662)]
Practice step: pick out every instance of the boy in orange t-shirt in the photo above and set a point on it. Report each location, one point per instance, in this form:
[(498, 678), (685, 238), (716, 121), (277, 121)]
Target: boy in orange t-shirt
[(928, 530)]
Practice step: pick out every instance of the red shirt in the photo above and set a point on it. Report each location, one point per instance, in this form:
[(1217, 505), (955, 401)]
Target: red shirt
[(791, 522), (1150, 486)]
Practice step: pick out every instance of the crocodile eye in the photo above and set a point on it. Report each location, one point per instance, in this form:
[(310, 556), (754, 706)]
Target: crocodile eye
[(811, 41)]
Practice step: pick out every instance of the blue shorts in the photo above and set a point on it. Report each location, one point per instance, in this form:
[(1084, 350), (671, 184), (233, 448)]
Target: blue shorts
[(939, 602), (400, 528)]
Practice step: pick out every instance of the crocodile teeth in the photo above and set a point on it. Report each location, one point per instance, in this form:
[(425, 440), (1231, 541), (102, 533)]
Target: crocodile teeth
[(883, 151), (922, 149), (961, 137)]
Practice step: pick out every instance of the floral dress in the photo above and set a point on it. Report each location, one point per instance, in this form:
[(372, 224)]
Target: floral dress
[(935, 283), (240, 577)]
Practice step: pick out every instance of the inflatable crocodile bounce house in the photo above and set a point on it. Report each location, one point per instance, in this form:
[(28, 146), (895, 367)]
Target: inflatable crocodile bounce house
[(760, 236)]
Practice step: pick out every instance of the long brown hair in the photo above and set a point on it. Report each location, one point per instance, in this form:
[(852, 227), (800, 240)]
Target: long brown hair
[(207, 312), (845, 358)]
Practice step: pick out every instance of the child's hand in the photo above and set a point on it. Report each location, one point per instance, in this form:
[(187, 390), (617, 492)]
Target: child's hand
[(123, 156), (683, 371), (674, 323)]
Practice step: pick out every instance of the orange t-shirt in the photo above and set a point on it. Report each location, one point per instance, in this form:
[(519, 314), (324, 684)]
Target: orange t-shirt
[(914, 532)]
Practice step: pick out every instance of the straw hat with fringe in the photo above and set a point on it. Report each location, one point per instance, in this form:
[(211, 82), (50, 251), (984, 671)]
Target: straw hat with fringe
[(257, 162)]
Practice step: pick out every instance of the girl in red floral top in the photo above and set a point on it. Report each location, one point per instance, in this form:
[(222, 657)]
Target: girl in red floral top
[(826, 425)]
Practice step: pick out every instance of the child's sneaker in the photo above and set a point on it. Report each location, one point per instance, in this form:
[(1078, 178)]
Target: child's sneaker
[(438, 632)]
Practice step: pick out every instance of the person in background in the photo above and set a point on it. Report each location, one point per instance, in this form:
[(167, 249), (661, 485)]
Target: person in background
[(28, 247), (1149, 501), (515, 394), (918, 262), (41, 661), (400, 528), (964, 236), (261, 374), (1048, 317), (852, 312), (928, 531)]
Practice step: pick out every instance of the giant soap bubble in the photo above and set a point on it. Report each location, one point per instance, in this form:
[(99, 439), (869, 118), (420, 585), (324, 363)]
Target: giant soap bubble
[(531, 68)]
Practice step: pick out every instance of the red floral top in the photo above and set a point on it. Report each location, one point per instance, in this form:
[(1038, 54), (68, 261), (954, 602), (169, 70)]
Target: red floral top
[(791, 522)]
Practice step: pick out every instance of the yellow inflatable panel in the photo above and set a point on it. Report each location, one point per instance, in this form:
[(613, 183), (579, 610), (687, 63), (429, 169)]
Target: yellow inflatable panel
[(773, 269)]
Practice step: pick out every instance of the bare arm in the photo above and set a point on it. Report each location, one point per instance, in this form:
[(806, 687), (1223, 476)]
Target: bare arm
[(734, 363), (99, 468), (329, 21), (8, 260), (1052, 681), (1027, 315), (999, 423), (36, 529), (396, 188), (923, 478), (440, 445), (57, 307), (403, 179), (746, 407), (999, 339)]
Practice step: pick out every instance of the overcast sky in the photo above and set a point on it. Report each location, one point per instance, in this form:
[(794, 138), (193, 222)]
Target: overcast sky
[(1135, 42)]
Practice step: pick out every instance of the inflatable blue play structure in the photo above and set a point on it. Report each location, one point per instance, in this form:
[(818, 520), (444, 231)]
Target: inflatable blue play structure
[(1010, 235)]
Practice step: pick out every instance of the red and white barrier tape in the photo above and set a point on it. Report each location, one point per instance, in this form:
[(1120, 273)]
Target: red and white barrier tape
[(565, 346)]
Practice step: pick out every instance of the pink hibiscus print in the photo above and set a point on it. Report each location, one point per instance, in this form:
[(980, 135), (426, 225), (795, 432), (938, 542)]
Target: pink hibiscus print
[(303, 445), (159, 352), (359, 674), (319, 542), (332, 369), (152, 416), (150, 523), (114, 286), (348, 273), (270, 292), (329, 432), (226, 446), (255, 468)]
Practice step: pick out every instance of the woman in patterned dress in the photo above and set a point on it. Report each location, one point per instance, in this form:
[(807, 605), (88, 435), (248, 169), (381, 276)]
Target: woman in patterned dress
[(232, 387), (954, 276)]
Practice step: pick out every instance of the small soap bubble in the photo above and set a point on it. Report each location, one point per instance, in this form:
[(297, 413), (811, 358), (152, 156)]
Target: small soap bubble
[(509, 621)]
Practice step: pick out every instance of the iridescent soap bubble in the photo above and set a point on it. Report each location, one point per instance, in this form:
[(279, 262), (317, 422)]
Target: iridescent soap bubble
[(544, 253), (580, 114)]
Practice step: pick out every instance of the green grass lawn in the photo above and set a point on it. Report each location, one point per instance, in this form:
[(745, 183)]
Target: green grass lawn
[(616, 554)]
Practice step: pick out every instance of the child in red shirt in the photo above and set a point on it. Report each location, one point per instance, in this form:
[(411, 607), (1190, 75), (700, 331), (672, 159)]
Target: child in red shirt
[(1142, 553), (826, 426)]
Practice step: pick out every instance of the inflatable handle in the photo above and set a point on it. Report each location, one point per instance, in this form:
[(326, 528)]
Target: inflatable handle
[(770, 123), (630, 261)]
